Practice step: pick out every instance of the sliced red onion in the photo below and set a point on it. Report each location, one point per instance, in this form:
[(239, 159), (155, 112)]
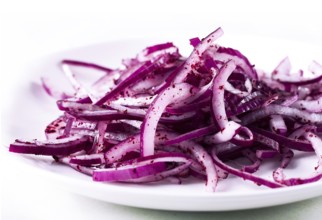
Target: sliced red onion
[(143, 101), (244, 137), (246, 176), (160, 157), (230, 130), (282, 70), (194, 41), (86, 64), (175, 93), (132, 114), (278, 125), (191, 135), (142, 167), (314, 106), (256, 162), (104, 115), (64, 146), (297, 133), (120, 150), (158, 117), (265, 154), (225, 54), (274, 109), (253, 167), (117, 152), (132, 143), (200, 154), (188, 107), (205, 160), (68, 127), (302, 82), (253, 101), (56, 128), (155, 51), (68, 105), (315, 68), (88, 160), (266, 141), (202, 92), (86, 125), (128, 172), (316, 142), (290, 100), (282, 74), (98, 144), (218, 105), (128, 110), (280, 177), (158, 47), (292, 143), (144, 69), (78, 87), (228, 151), (272, 83), (162, 175), (193, 59), (231, 89), (287, 155)]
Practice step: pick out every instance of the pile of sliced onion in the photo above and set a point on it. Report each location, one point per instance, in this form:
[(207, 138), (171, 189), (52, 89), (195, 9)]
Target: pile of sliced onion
[(165, 116)]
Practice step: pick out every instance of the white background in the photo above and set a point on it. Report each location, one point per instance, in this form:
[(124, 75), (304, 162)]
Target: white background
[(33, 28)]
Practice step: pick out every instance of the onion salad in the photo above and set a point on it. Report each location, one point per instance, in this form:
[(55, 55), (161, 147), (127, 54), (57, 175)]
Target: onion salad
[(163, 116)]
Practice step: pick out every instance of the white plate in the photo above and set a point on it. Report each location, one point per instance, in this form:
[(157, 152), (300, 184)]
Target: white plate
[(30, 110)]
